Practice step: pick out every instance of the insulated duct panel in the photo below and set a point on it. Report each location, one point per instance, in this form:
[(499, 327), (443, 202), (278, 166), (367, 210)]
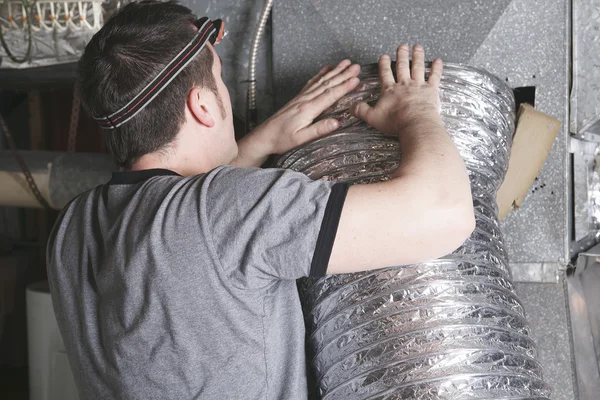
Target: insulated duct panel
[(452, 328)]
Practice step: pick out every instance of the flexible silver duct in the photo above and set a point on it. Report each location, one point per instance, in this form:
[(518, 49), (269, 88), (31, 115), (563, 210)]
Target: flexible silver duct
[(452, 328), (251, 117)]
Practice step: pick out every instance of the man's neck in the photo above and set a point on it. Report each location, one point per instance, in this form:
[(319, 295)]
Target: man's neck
[(150, 161), (183, 165)]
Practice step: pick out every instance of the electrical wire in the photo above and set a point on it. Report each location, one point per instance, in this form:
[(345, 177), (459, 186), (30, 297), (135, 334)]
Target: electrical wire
[(74, 122)]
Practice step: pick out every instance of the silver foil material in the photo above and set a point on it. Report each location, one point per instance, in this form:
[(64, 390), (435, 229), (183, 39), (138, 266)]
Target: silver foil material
[(452, 328)]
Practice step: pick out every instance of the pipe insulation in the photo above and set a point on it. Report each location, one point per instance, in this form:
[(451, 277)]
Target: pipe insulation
[(451, 328), (60, 177)]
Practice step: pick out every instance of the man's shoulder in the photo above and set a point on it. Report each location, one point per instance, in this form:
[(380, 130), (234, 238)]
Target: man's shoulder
[(252, 179), (74, 208), (77, 201)]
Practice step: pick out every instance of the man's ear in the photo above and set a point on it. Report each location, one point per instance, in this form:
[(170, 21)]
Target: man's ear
[(198, 107)]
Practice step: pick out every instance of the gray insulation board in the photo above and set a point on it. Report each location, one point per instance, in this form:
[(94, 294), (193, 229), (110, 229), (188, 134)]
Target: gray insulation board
[(546, 310)]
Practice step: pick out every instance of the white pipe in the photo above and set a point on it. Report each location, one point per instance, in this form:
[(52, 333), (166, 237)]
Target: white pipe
[(15, 191), (59, 177)]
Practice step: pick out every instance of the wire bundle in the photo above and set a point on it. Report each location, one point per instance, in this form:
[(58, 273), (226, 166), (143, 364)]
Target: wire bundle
[(27, 22)]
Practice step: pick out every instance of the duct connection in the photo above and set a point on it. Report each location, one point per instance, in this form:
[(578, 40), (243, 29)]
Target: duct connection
[(452, 328)]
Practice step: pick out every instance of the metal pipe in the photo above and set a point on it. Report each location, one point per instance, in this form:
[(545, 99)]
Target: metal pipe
[(59, 176), (451, 328), (251, 115)]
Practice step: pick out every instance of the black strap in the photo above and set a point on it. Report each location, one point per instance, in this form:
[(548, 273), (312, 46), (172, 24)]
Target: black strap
[(329, 226), (207, 30)]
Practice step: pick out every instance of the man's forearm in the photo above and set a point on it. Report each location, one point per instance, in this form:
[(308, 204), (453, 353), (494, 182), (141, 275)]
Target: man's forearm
[(430, 157), (252, 152)]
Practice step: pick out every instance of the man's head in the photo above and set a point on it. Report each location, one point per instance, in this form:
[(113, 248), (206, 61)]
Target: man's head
[(191, 115)]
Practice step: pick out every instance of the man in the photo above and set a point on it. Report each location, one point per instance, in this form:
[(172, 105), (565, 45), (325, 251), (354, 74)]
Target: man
[(176, 279)]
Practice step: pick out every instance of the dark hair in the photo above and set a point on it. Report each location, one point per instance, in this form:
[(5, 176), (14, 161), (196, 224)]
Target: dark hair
[(127, 53)]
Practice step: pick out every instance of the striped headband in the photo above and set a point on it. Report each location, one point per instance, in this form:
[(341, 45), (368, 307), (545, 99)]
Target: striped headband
[(207, 30)]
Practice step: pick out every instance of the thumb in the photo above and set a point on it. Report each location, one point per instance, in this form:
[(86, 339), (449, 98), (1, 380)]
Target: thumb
[(362, 111), (320, 128)]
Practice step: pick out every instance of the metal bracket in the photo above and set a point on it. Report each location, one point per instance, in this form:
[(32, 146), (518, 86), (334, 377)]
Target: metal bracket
[(543, 272)]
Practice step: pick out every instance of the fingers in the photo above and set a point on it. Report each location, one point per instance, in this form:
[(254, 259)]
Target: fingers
[(341, 67), (362, 111), (320, 128), (335, 80), (385, 71), (326, 99), (435, 76), (315, 78), (402, 65), (418, 64)]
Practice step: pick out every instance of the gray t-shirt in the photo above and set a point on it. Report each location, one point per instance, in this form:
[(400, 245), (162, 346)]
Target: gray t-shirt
[(167, 287)]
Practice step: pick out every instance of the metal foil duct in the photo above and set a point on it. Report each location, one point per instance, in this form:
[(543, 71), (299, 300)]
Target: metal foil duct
[(451, 328)]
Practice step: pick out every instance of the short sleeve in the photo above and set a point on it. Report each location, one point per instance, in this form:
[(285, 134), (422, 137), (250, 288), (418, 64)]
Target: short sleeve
[(270, 224)]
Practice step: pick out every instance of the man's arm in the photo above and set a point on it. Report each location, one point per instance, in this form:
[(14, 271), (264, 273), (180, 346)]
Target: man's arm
[(293, 125), (425, 211)]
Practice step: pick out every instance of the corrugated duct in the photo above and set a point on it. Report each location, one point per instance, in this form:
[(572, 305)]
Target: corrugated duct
[(451, 328)]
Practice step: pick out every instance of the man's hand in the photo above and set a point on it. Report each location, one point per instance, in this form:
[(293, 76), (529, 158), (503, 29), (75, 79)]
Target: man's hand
[(293, 125), (425, 210), (408, 100)]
